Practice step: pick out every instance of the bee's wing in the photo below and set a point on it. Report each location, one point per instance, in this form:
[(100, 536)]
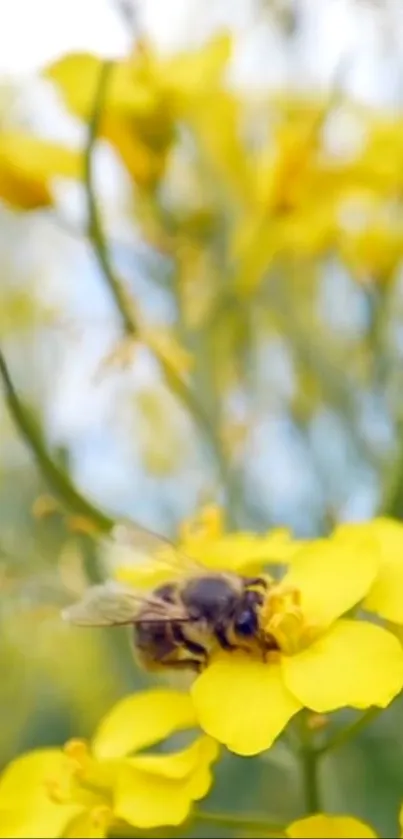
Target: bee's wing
[(114, 604), (132, 544)]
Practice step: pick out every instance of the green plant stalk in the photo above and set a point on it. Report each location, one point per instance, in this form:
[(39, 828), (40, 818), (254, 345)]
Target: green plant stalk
[(308, 757), (121, 299), (240, 821), (346, 734), (235, 821), (57, 479), (95, 230), (310, 778)]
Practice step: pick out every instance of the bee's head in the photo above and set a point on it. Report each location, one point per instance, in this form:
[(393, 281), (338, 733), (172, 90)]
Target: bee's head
[(246, 617)]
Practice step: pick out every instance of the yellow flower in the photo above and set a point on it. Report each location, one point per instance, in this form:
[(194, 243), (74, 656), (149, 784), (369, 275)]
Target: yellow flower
[(386, 537), (204, 538), (146, 95), (321, 826), (324, 662), (81, 792), (28, 165)]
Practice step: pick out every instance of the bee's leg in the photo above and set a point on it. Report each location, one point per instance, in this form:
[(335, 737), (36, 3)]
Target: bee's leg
[(222, 639), (195, 664), (190, 646), (260, 582)]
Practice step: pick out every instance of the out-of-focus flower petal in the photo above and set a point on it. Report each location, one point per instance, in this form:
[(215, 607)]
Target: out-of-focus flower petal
[(321, 826), (157, 790), (26, 807), (141, 720)]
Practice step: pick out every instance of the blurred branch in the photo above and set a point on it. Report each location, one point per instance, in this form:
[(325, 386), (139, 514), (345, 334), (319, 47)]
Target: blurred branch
[(122, 299), (392, 502), (236, 821), (57, 479), (240, 821), (346, 734), (337, 387), (96, 234)]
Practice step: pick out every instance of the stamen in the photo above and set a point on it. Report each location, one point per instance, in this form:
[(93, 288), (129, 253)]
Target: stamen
[(77, 752), (56, 792), (101, 816), (283, 619)]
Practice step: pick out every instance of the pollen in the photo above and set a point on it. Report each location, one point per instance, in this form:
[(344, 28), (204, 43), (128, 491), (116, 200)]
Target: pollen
[(283, 619)]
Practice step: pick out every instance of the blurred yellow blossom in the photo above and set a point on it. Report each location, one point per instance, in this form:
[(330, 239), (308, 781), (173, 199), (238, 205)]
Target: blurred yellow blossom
[(204, 538), (370, 237), (325, 662), (321, 826), (147, 95), (27, 166), (80, 791)]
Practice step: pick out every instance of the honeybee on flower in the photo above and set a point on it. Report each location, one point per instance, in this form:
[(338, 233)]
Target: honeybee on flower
[(262, 650), (181, 622)]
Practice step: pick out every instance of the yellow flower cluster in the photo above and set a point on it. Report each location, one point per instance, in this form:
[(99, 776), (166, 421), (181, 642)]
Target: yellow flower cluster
[(331, 656), (83, 790)]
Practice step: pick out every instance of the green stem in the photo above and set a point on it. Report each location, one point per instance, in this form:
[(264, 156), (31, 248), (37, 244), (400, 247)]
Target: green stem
[(240, 821), (310, 778), (57, 479), (121, 298), (234, 821), (309, 764), (348, 732), (96, 233)]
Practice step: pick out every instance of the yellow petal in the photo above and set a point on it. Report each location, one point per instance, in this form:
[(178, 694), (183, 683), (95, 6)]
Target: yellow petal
[(329, 827), (25, 804), (243, 703), (384, 597), (192, 73), (178, 765), (27, 165), (354, 664), (203, 538), (148, 797), (243, 552), (92, 824), (332, 578), (140, 720), (77, 75)]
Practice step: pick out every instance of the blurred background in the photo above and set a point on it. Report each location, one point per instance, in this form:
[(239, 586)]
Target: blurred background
[(201, 302)]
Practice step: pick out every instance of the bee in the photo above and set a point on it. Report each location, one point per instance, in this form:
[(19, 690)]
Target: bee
[(181, 622)]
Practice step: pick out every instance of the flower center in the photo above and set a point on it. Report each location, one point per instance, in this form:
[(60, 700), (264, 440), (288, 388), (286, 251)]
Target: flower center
[(283, 620)]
